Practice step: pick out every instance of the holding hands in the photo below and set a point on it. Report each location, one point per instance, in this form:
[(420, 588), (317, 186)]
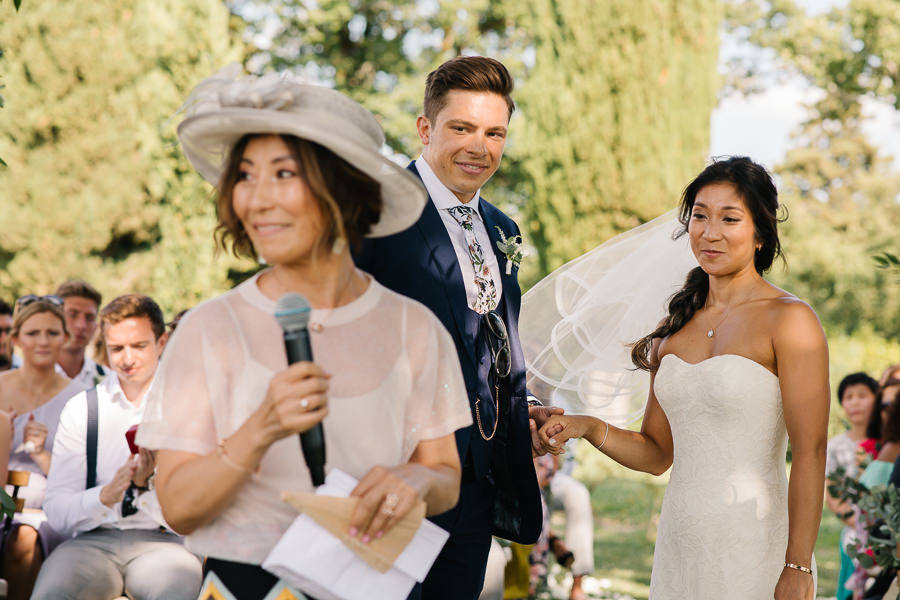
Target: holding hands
[(558, 429)]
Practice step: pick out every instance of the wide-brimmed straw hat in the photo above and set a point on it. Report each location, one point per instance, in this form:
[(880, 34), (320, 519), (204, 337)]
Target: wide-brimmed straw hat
[(225, 107)]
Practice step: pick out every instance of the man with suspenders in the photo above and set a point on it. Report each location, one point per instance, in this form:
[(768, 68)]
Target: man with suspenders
[(100, 491)]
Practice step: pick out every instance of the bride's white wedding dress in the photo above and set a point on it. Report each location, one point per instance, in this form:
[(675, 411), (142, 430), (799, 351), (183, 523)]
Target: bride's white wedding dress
[(724, 523)]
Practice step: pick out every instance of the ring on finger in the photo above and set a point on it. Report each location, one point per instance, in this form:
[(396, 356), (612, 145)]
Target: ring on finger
[(390, 503), (304, 403)]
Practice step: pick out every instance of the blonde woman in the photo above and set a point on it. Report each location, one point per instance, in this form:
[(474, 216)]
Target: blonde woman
[(32, 396)]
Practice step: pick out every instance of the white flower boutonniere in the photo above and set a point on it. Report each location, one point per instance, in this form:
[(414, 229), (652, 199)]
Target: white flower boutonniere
[(512, 248)]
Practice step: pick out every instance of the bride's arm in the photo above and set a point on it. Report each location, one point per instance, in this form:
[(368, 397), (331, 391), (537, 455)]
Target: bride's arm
[(649, 449), (801, 356)]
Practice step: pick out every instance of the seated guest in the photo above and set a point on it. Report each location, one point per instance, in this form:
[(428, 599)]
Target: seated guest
[(856, 395), (80, 305), (5, 329), (32, 397), (879, 470), (300, 178), (101, 493)]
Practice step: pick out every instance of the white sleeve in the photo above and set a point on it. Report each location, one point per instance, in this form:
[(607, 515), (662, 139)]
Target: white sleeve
[(439, 404), (69, 507), (178, 414)]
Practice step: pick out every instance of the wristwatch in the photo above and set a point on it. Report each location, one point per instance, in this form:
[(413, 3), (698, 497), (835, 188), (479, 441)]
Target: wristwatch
[(148, 485)]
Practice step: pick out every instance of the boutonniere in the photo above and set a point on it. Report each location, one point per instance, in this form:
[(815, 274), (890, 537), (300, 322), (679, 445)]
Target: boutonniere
[(512, 248)]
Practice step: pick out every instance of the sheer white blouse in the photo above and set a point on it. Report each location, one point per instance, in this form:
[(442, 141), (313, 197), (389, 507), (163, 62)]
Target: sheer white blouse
[(396, 381)]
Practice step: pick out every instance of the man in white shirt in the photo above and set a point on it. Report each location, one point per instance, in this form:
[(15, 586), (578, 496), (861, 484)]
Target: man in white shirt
[(81, 302), (455, 262), (120, 544)]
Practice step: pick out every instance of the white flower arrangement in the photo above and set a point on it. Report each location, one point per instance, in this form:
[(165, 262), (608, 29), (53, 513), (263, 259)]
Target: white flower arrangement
[(513, 249)]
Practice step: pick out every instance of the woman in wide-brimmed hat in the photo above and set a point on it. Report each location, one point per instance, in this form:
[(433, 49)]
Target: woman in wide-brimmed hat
[(300, 180)]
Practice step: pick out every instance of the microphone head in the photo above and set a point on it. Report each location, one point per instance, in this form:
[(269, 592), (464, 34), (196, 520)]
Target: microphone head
[(292, 312)]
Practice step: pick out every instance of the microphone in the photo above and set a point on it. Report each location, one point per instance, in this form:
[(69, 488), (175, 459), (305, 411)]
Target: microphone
[(292, 313)]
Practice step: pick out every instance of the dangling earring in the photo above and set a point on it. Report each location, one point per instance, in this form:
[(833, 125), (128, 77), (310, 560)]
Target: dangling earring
[(338, 245)]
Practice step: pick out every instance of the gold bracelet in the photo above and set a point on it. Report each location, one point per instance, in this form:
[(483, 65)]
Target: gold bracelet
[(791, 565), (220, 451), (605, 435)]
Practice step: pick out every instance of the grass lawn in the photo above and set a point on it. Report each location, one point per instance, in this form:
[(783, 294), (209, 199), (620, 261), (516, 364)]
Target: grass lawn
[(626, 512)]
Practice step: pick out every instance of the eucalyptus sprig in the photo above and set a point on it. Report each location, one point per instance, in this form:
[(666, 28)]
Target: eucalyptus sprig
[(880, 510)]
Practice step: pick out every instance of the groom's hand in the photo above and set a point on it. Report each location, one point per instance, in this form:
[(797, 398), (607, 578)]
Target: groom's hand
[(537, 416)]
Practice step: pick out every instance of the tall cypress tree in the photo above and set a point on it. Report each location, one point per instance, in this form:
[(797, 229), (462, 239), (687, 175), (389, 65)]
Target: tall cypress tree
[(616, 111), (96, 186)]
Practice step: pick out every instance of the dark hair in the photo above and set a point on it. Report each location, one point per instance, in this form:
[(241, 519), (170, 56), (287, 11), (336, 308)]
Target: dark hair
[(5, 309), (79, 289), (890, 430), (470, 73), (856, 379), (754, 185), (133, 306), (349, 200)]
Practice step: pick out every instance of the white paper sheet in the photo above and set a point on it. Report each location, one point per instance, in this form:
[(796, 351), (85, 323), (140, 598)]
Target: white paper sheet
[(317, 563)]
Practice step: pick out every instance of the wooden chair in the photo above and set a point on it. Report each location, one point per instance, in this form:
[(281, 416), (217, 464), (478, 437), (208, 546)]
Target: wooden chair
[(17, 479)]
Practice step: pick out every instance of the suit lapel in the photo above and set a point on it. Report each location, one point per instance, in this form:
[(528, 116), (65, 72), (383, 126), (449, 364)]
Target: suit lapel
[(445, 261), (491, 225)]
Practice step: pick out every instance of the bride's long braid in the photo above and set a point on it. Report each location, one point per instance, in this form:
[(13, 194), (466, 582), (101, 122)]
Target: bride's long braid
[(754, 184)]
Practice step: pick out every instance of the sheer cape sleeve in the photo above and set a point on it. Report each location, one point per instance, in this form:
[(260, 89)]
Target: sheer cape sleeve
[(179, 410), (439, 404)]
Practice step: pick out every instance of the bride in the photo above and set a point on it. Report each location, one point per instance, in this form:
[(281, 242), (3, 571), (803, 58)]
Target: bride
[(737, 366)]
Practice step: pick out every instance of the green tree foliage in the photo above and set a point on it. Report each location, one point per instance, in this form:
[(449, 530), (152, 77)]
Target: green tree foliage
[(96, 186), (376, 51), (614, 97), (842, 192), (616, 110)]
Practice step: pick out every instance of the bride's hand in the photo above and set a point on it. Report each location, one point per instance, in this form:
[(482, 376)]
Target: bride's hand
[(559, 429), (794, 585)]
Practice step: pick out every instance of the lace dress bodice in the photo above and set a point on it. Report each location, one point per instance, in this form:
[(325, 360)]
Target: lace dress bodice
[(724, 524)]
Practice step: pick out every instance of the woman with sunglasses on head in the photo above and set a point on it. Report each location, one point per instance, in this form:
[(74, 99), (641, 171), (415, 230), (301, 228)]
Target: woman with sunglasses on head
[(300, 180), (31, 398)]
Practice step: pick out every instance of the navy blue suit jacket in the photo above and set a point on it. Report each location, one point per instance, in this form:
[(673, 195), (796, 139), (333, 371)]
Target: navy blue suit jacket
[(420, 263)]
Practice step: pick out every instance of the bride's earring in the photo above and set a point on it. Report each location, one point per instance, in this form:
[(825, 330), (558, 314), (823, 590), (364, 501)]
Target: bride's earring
[(338, 245)]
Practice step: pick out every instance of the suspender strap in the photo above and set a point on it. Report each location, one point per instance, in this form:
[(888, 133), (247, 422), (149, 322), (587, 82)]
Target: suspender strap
[(90, 443)]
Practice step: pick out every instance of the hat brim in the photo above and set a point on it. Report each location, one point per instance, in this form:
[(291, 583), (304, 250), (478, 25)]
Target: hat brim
[(208, 138)]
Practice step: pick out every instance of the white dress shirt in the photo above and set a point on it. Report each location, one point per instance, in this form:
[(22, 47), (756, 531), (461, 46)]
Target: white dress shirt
[(444, 199), (70, 508), (88, 377)]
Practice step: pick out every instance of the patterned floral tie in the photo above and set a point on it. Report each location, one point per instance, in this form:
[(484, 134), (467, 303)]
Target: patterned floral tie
[(486, 299)]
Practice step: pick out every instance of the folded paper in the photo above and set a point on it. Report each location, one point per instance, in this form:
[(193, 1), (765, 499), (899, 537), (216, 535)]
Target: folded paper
[(316, 556)]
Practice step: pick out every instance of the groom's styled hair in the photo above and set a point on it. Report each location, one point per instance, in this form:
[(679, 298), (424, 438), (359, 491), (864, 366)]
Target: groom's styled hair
[(469, 73)]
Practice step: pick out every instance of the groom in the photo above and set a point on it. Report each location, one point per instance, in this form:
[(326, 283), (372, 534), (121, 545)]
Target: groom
[(449, 261)]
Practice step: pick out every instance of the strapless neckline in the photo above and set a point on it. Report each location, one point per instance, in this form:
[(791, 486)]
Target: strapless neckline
[(715, 356)]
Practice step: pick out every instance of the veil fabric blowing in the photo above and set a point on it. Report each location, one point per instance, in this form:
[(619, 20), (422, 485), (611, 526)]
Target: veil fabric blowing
[(577, 324)]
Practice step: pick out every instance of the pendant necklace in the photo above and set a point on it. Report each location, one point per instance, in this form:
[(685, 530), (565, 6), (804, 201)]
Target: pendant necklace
[(318, 326), (712, 330)]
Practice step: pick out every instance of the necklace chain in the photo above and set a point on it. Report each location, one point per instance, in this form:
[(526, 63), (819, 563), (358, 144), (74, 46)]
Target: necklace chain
[(712, 330), (318, 325)]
